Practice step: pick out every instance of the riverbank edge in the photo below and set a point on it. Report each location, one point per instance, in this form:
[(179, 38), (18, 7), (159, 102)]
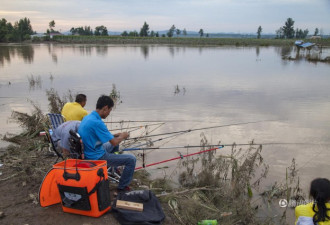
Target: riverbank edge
[(179, 41)]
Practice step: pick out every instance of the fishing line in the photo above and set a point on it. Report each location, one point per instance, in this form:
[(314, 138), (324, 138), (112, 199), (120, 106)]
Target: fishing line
[(136, 140), (161, 139), (172, 138), (136, 148), (205, 128), (179, 157), (153, 121), (141, 126)]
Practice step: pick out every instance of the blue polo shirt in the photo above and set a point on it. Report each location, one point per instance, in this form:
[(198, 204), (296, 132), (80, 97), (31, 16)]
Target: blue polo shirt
[(94, 133)]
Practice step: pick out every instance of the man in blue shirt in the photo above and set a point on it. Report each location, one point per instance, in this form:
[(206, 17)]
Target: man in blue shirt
[(100, 144)]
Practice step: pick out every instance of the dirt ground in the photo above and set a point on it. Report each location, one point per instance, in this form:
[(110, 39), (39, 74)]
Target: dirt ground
[(19, 203)]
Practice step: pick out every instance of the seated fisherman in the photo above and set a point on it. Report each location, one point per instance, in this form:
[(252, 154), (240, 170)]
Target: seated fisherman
[(75, 110), (100, 144), (61, 136)]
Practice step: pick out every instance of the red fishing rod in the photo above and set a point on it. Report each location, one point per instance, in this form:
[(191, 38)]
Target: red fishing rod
[(179, 157)]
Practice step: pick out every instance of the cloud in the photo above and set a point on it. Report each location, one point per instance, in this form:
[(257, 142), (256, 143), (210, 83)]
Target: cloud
[(211, 15)]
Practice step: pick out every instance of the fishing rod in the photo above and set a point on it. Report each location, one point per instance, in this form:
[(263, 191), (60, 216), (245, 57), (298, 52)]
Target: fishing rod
[(136, 148), (203, 128), (160, 139), (170, 147), (179, 157), (141, 126), (153, 121)]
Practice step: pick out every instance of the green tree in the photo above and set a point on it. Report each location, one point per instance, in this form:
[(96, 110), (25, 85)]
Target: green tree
[(201, 32), (124, 34), (144, 32), (288, 28), (133, 34), (82, 30), (301, 33), (97, 32), (305, 33), (105, 32), (178, 32), (11, 31), (23, 29), (73, 31), (51, 26), (184, 32), (316, 32), (279, 33), (157, 34), (19, 32), (152, 34), (3, 30), (259, 32), (101, 30), (171, 31)]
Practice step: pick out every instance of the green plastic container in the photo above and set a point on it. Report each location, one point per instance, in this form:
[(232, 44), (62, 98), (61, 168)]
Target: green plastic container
[(208, 222)]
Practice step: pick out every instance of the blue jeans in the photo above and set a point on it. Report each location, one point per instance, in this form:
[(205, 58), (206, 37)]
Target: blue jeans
[(115, 160)]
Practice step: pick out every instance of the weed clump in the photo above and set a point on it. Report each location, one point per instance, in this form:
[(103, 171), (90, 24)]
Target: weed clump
[(31, 124), (221, 188), (56, 103), (115, 95)]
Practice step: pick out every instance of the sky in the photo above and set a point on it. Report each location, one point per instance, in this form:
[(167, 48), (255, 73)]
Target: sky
[(213, 16)]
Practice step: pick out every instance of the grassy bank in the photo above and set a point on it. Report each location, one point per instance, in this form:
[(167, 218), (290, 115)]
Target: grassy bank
[(183, 41)]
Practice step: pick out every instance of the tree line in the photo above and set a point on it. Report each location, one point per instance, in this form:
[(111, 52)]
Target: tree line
[(22, 30), (145, 32), (288, 32)]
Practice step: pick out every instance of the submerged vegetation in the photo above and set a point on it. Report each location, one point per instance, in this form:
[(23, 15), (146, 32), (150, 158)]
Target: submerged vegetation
[(115, 95), (56, 103)]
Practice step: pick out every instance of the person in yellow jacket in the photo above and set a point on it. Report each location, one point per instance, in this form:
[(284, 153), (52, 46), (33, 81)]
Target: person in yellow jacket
[(75, 110), (317, 212)]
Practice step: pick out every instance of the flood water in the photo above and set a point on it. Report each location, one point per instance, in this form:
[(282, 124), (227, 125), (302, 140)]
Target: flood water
[(215, 86)]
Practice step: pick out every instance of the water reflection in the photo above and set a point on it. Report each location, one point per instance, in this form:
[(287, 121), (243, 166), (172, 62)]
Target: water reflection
[(171, 50), (54, 57), (102, 50), (298, 55), (35, 82), (145, 51), (86, 50), (257, 51), (4, 55), (26, 52)]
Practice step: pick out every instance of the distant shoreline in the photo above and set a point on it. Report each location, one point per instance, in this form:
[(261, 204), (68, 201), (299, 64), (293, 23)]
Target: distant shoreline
[(179, 41)]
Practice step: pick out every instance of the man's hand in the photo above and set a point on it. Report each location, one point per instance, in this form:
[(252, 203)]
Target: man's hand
[(125, 135), (119, 138)]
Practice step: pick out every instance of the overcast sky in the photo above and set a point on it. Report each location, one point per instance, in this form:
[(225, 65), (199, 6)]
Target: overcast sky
[(239, 16)]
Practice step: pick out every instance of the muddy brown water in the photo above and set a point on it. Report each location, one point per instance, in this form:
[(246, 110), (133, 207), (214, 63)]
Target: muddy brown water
[(187, 88)]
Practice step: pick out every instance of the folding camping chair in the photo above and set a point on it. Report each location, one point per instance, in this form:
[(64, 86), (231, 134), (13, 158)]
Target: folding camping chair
[(55, 121), (77, 152)]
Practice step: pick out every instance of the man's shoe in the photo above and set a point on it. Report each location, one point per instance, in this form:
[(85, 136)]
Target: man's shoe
[(126, 189)]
